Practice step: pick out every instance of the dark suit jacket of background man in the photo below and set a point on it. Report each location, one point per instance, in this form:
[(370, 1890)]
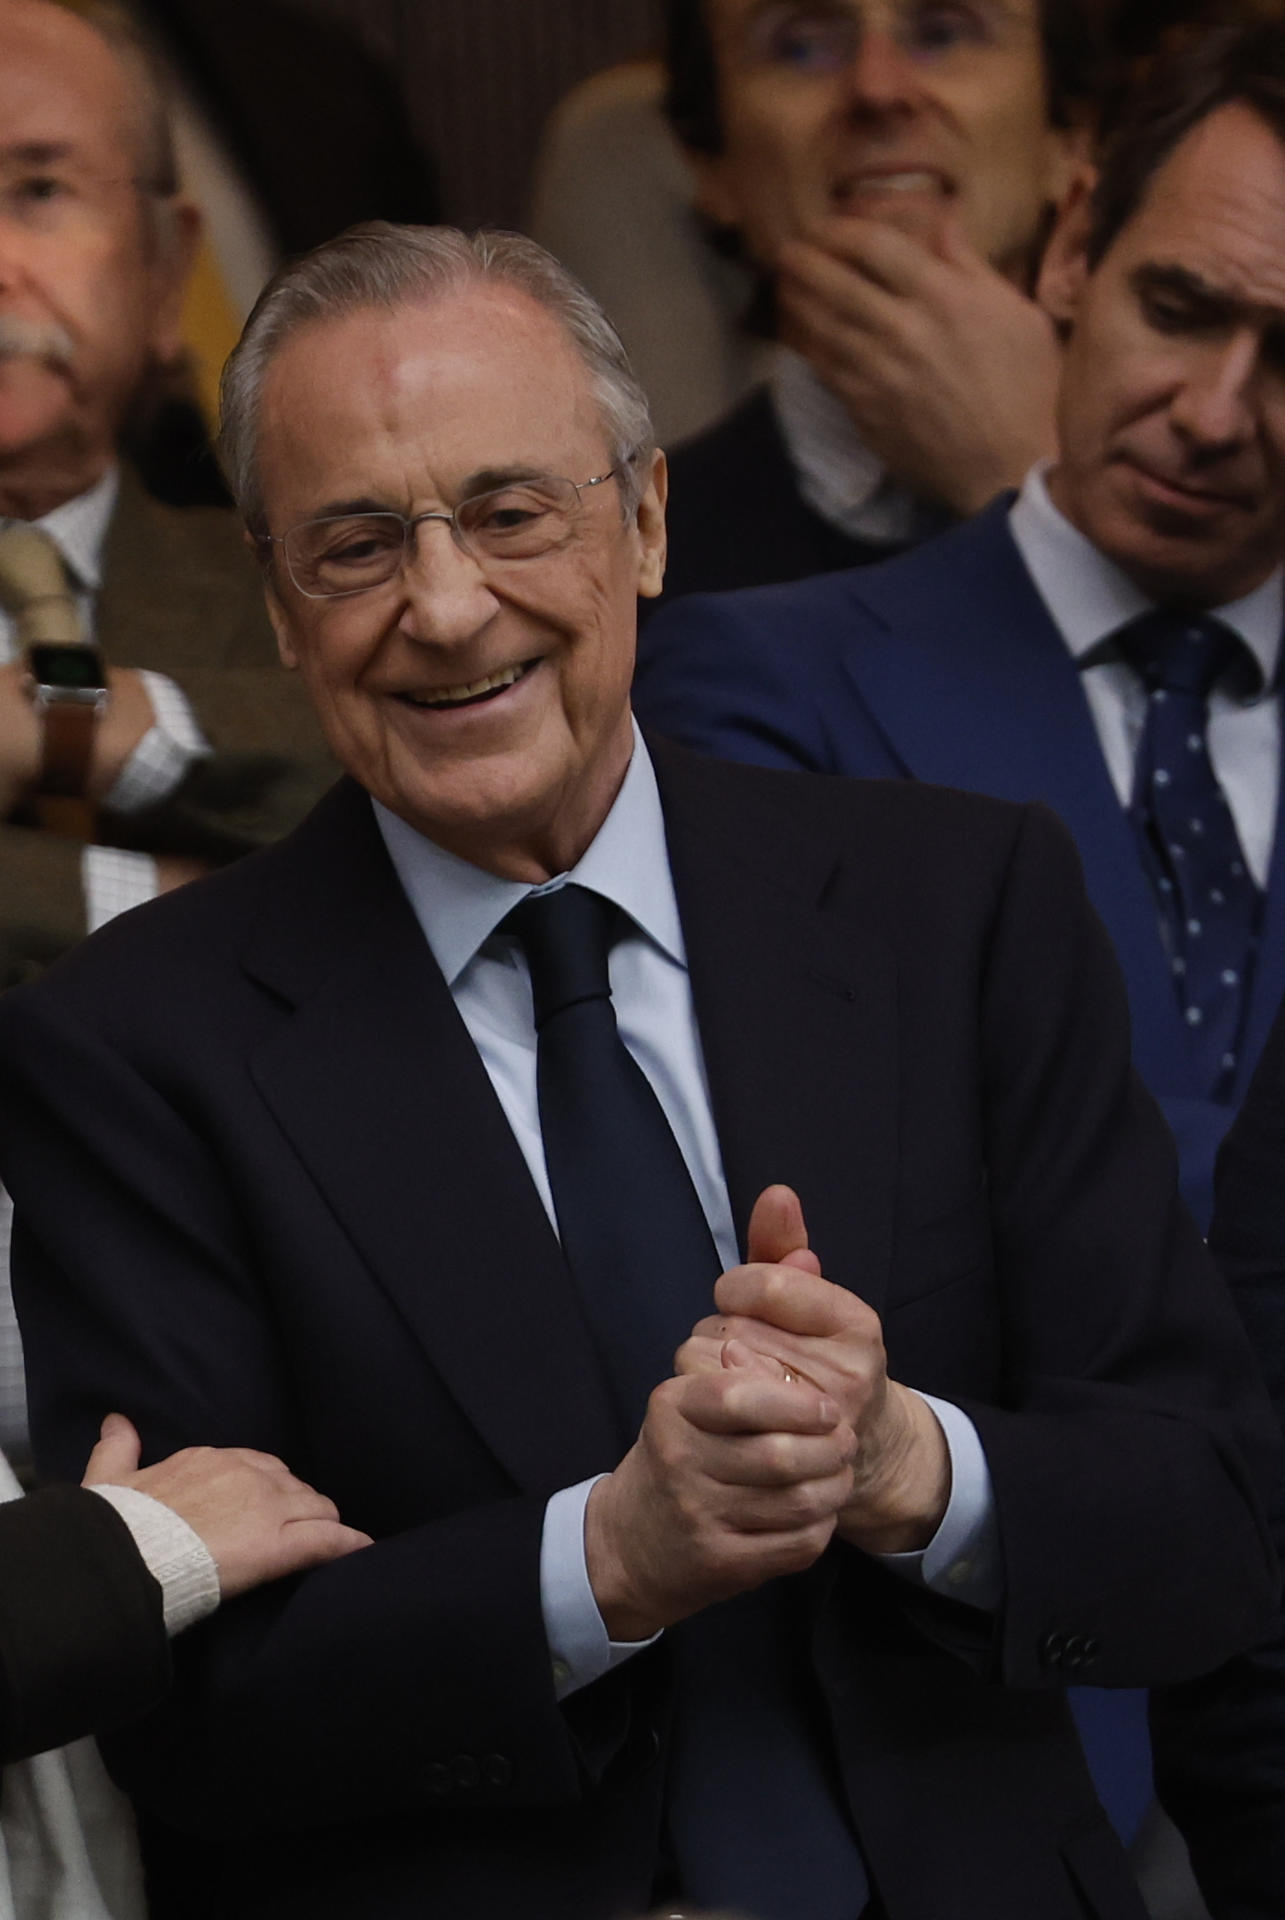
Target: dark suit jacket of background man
[(944, 665), (301, 1223), (736, 518), (180, 595)]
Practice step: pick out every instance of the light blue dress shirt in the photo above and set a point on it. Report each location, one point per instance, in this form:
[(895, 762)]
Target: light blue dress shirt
[(459, 907)]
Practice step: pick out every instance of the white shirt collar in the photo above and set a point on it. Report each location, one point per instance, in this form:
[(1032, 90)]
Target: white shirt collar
[(459, 906), (78, 529), (1090, 597), (838, 475)]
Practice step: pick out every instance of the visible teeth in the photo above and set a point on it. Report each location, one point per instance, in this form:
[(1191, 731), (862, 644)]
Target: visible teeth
[(895, 183), (451, 696)]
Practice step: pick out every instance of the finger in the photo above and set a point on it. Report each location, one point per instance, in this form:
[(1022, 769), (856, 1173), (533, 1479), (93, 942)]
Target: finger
[(804, 1504), (116, 1456), (778, 1230), (903, 261), (310, 1543), (802, 1303), (749, 1401), (735, 1353), (822, 293), (700, 1354), (767, 1460)]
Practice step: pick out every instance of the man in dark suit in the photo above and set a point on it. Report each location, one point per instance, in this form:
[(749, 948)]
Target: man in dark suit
[(784, 1623), (890, 170), (1021, 654)]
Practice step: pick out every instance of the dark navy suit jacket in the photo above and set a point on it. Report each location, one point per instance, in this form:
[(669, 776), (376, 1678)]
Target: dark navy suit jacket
[(944, 665)]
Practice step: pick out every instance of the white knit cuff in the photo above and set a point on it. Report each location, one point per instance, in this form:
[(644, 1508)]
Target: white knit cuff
[(174, 1554)]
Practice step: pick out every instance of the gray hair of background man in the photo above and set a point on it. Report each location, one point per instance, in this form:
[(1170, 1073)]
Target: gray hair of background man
[(378, 264), (157, 162)]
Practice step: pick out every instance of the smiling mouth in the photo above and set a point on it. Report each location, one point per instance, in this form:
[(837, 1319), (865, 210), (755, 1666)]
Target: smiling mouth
[(905, 180), (471, 694)]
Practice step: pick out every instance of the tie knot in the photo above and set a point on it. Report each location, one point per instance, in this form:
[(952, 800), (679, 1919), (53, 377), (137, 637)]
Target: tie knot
[(34, 587), (1185, 654), (566, 936)]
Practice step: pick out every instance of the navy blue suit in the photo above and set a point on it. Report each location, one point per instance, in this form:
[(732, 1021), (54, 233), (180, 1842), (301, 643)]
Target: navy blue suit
[(944, 665)]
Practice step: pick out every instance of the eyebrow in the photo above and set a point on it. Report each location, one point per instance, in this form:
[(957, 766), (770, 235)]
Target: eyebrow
[(38, 153), (1161, 276)]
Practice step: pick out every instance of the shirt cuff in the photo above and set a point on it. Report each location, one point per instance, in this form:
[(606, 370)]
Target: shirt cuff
[(113, 881), (578, 1643), (164, 753), (174, 1555), (962, 1560)]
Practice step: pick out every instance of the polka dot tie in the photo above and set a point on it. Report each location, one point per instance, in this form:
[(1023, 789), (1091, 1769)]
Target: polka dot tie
[(1208, 903)]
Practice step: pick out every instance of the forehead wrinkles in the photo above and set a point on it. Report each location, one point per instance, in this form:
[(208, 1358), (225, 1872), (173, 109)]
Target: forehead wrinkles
[(1231, 232)]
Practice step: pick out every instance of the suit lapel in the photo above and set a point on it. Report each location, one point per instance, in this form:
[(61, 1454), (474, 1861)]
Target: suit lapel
[(372, 1076), (796, 1008), (972, 687)]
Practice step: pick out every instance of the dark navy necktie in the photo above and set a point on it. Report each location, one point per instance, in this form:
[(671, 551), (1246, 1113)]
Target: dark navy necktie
[(1208, 903), (753, 1814), (633, 1231)]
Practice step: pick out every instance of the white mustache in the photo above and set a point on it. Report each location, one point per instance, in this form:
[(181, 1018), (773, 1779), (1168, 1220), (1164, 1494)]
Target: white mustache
[(35, 340)]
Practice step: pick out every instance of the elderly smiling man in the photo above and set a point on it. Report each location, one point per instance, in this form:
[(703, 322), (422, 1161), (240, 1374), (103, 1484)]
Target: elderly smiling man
[(413, 1148)]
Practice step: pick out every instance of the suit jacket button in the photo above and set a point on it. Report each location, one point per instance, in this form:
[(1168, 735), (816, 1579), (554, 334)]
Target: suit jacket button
[(497, 1771), (437, 1780), (465, 1772)]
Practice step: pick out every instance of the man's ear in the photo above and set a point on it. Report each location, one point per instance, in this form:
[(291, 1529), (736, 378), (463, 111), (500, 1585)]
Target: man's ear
[(276, 612), (651, 529), (1064, 270), (176, 243)]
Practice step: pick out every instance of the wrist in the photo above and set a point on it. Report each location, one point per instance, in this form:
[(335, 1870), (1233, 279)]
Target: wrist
[(901, 1506), (625, 1614)]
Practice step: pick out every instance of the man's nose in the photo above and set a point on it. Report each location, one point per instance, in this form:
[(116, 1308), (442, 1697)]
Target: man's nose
[(882, 76), (446, 592), (1213, 409)]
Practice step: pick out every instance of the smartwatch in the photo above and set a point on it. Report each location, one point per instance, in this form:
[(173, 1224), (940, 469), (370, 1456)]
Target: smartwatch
[(69, 692)]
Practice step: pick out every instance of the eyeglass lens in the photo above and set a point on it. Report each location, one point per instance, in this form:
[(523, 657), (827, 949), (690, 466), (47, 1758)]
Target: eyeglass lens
[(350, 552)]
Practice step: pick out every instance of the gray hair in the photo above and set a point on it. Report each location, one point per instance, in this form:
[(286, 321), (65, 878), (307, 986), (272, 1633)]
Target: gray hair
[(381, 265)]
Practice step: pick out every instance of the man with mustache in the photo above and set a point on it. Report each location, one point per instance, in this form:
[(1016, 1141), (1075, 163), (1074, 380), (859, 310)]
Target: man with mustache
[(111, 701), (1108, 640)]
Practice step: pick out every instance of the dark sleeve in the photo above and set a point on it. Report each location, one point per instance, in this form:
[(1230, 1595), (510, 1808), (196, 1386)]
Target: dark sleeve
[(82, 1635), (1220, 1741), (1130, 1446)]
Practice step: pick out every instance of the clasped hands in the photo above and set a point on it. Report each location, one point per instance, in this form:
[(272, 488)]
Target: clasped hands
[(779, 1430)]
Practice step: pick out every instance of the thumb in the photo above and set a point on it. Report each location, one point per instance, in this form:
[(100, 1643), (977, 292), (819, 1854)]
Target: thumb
[(777, 1234), (115, 1458)]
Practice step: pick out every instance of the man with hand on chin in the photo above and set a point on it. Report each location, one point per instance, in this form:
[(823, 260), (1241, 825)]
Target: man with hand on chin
[(450, 1119), (891, 168)]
